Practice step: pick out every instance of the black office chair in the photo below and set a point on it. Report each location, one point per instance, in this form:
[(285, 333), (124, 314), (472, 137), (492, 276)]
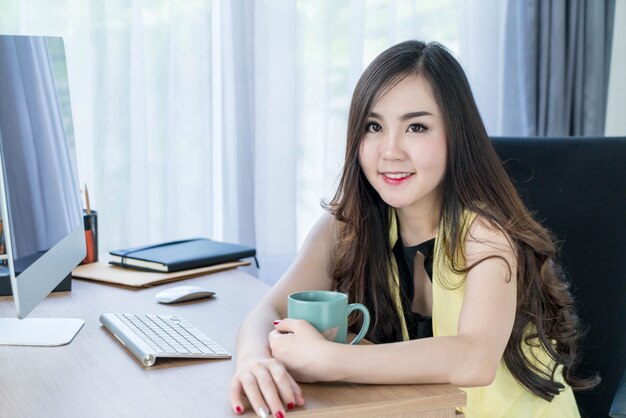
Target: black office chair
[(618, 408), (577, 186)]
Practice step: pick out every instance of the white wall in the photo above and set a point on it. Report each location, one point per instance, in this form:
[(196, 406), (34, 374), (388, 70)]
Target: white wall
[(616, 107)]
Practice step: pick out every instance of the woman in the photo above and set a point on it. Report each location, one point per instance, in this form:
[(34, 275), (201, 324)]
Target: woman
[(428, 232)]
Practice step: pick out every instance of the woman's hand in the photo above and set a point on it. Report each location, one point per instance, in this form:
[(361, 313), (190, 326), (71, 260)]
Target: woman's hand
[(268, 386), (302, 349)]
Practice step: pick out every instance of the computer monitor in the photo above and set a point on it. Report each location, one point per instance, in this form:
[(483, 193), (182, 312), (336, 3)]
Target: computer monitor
[(39, 192)]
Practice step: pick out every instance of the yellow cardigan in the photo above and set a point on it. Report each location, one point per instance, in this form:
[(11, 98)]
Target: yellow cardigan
[(505, 397)]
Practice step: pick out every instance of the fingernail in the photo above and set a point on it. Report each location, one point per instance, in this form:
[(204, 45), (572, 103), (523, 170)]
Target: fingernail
[(279, 414), (276, 322), (290, 405), (263, 413), (238, 409)]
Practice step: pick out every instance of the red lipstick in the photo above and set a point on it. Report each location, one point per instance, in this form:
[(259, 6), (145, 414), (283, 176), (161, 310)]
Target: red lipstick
[(396, 179)]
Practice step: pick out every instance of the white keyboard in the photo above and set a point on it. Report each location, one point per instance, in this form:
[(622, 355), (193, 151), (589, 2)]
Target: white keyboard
[(151, 336)]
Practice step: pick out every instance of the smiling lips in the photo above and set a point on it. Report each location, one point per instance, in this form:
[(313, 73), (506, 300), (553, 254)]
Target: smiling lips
[(396, 178)]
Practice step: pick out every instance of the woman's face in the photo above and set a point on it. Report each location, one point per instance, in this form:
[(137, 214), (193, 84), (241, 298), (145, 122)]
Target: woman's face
[(403, 152)]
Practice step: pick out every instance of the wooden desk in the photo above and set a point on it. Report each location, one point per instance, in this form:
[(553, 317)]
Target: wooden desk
[(94, 376)]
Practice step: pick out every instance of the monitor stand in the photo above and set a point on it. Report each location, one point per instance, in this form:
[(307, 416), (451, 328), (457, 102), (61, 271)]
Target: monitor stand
[(47, 332)]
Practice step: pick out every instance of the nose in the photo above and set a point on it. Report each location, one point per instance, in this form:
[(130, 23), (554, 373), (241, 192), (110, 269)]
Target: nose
[(392, 147)]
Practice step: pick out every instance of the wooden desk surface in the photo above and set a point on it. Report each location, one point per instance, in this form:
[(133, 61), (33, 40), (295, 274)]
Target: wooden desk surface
[(94, 376)]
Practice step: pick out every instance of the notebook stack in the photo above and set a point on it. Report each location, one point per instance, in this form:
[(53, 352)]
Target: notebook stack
[(168, 261)]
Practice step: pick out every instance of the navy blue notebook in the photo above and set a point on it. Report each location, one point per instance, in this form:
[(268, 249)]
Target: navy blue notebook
[(180, 255)]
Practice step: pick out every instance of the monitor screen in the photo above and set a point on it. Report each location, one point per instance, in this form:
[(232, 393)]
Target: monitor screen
[(41, 191)]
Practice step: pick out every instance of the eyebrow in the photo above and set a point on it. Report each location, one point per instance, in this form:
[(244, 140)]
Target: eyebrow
[(405, 116)]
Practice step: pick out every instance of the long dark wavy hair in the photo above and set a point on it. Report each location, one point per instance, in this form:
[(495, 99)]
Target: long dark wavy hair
[(474, 180)]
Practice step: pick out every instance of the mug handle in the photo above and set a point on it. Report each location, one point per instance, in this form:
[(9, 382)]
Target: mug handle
[(366, 320)]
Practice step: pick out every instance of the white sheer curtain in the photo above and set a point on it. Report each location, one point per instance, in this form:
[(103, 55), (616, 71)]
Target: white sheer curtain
[(219, 118), (481, 41), (140, 85)]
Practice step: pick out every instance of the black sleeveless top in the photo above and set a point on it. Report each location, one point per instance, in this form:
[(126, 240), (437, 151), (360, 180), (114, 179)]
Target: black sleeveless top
[(417, 325)]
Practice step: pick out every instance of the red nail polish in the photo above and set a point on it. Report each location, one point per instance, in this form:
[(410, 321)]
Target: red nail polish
[(276, 322), (279, 414), (290, 405), (238, 409)]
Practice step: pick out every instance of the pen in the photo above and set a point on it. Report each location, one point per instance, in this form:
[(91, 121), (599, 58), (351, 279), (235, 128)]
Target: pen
[(87, 202)]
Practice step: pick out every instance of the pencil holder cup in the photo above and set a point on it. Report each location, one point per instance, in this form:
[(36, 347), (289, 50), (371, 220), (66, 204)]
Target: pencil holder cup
[(90, 221)]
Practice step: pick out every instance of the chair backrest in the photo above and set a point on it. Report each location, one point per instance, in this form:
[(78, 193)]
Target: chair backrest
[(577, 186)]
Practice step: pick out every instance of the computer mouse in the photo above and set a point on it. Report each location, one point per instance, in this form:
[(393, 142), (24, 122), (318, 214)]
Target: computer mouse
[(183, 294)]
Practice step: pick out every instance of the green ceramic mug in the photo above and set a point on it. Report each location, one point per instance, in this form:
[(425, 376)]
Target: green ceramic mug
[(328, 312)]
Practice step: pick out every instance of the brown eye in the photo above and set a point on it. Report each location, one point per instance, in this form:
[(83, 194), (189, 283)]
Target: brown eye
[(416, 128), (373, 127)]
